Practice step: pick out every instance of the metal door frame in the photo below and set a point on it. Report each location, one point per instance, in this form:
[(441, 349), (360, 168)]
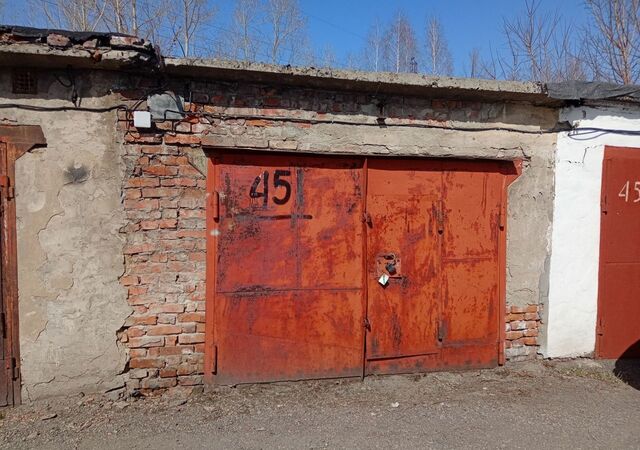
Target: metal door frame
[(15, 141), (510, 171)]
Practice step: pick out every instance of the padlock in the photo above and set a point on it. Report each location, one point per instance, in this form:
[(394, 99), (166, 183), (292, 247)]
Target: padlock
[(391, 267)]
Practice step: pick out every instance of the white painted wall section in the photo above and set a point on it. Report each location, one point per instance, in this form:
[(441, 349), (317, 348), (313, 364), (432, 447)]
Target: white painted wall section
[(575, 240)]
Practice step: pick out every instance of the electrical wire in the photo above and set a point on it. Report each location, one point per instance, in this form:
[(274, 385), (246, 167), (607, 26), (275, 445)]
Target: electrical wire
[(561, 127), (122, 107)]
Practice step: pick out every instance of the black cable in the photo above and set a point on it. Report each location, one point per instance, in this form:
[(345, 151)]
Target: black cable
[(62, 108), (380, 124), (589, 130)]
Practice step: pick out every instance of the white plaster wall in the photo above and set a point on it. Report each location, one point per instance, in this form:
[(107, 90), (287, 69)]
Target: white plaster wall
[(575, 241)]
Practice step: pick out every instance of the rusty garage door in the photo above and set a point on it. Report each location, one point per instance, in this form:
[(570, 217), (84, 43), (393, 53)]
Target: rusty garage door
[(618, 333), (331, 267)]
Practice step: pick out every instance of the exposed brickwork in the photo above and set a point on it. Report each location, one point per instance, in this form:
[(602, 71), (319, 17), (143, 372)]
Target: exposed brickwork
[(164, 199), (522, 328)]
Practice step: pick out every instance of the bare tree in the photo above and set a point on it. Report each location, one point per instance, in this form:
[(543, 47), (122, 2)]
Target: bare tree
[(613, 42), (438, 56), (372, 54), (351, 61), (400, 48), (285, 30), (540, 46), (186, 20), (473, 69), (75, 15), (243, 39)]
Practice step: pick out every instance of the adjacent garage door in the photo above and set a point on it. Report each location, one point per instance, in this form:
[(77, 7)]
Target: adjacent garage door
[(618, 334), (332, 267)]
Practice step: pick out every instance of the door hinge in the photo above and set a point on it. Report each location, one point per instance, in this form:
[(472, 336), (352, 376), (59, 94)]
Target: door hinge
[(15, 369), (440, 219), (366, 324), (599, 330), (441, 331), (7, 188), (215, 205), (214, 365)]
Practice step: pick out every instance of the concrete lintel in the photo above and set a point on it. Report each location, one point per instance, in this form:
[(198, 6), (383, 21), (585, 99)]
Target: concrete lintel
[(350, 80)]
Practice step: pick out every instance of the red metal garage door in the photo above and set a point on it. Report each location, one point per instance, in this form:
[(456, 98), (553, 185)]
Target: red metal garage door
[(297, 249), (619, 280), (288, 268), (434, 231)]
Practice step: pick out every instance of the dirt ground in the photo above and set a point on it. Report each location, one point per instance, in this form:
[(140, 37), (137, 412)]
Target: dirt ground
[(577, 404)]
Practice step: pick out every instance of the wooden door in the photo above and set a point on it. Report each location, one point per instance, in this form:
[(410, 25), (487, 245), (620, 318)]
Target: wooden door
[(9, 369)]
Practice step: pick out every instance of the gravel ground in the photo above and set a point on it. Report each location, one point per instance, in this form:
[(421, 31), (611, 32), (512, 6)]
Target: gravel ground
[(576, 404)]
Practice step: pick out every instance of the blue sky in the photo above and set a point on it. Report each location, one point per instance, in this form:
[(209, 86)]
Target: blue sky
[(467, 23), (342, 25)]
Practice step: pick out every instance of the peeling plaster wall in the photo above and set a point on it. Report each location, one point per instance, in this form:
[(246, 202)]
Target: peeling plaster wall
[(69, 247), (573, 294)]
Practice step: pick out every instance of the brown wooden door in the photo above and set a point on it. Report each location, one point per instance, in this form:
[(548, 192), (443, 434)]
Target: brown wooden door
[(5, 348), (618, 332), (288, 254), (9, 376)]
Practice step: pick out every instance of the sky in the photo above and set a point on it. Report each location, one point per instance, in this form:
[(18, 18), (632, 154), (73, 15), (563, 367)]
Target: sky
[(342, 25)]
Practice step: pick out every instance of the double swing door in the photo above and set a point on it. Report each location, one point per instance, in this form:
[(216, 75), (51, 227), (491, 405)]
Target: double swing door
[(329, 267)]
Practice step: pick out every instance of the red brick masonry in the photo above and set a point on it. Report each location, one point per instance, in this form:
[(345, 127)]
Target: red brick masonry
[(522, 326), (165, 268)]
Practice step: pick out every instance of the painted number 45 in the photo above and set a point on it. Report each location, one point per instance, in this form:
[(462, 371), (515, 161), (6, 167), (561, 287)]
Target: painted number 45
[(624, 192)]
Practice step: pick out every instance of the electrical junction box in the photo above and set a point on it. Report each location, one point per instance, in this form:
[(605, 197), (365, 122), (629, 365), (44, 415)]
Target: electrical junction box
[(142, 119)]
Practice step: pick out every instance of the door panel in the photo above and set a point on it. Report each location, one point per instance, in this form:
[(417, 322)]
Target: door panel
[(472, 204), (6, 383), (403, 313), (619, 280), (288, 297)]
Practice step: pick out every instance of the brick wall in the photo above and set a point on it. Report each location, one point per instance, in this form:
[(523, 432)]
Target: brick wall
[(165, 266), (522, 328)]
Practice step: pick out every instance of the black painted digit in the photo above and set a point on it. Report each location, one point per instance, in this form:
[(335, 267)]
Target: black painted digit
[(277, 182), (253, 192)]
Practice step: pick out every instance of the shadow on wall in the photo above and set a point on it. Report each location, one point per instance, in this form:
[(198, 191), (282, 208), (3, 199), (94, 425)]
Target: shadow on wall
[(627, 367)]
